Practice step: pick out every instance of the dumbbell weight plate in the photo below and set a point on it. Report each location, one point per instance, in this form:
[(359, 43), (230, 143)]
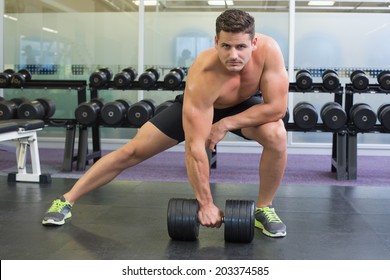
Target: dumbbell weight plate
[(383, 114), (9, 108), (113, 113), (100, 77), (31, 110), (49, 105), (174, 79), (182, 219), (5, 77), (20, 78), (140, 112), (330, 80), (362, 116), (125, 78), (239, 221), (384, 80), (87, 112), (333, 115), (305, 115), (304, 80), (148, 79), (359, 80)]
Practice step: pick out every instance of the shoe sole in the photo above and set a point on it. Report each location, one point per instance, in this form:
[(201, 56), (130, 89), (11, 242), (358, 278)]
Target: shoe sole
[(267, 233), (51, 222)]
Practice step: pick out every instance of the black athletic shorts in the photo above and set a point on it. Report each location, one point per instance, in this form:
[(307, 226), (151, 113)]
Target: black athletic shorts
[(169, 121)]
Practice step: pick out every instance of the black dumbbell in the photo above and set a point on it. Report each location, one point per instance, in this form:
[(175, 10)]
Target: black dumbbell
[(304, 79), (173, 80), (87, 113), (114, 113), (163, 106), (125, 78), (383, 114), (41, 108), (359, 80), (100, 77), (363, 116), (182, 220), (5, 77), (20, 78), (149, 78), (333, 115), (305, 115), (330, 80), (384, 80), (9, 108), (140, 112)]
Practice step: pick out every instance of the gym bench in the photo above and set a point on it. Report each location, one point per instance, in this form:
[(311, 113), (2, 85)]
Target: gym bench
[(24, 133)]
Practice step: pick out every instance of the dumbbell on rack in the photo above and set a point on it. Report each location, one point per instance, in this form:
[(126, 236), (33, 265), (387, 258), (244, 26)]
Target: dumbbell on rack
[(362, 116), (100, 77), (384, 80), (330, 80), (305, 115), (149, 78), (87, 113), (359, 80), (41, 108), (5, 77), (140, 112), (19, 79), (9, 108), (383, 114), (115, 112), (304, 80), (125, 78), (173, 80), (183, 224), (333, 115)]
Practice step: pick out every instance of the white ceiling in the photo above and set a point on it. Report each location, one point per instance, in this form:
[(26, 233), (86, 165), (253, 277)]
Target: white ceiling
[(50, 6)]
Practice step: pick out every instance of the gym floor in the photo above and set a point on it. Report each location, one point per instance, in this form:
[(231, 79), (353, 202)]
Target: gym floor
[(126, 220)]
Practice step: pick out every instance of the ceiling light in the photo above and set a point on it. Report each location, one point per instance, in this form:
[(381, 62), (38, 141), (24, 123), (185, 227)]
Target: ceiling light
[(49, 30), (220, 3), (147, 2), (11, 18), (321, 3)]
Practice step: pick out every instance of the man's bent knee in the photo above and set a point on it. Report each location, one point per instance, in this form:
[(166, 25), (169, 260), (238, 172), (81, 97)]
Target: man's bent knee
[(270, 135)]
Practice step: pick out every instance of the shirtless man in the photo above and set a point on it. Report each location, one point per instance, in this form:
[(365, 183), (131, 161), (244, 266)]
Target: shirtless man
[(222, 94)]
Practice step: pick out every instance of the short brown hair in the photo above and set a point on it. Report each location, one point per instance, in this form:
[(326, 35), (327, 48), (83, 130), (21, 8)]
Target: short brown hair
[(233, 20)]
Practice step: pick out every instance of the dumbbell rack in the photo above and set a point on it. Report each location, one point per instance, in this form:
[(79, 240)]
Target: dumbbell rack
[(70, 124), (84, 155), (339, 137), (351, 152)]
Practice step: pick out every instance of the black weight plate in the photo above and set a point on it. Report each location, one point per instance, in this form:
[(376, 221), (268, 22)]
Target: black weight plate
[(383, 114), (330, 80), (363, 116), (304, 80), (148, 79), (87, 113), (49, 105), (8, 110), (359, 80), (305, 115), (333, 115), (113, 113), (139, 113), (182, 219), (384, 80), (239, 221), (31, 110)]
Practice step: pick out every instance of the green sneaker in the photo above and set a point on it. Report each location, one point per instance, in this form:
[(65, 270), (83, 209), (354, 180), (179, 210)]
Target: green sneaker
[(267, 220), (58, 212)]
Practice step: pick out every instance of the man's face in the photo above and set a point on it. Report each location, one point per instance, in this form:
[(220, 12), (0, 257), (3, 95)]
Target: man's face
[(234, 49)]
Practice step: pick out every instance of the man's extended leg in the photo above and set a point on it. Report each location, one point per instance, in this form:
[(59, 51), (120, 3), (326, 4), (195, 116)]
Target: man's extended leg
[(148, 142), (273, 138)]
